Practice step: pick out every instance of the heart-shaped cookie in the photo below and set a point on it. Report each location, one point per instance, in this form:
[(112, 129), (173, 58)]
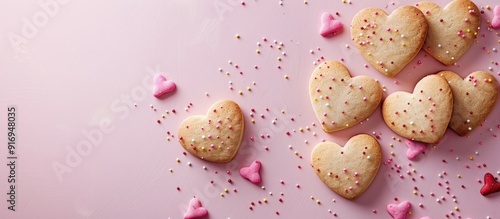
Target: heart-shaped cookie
[(347, 170), (162, 85), (216, 136), (451, 29), (389, 42), (422, 115), (490, 185), (473, 99), (329, 26), (340, 101)]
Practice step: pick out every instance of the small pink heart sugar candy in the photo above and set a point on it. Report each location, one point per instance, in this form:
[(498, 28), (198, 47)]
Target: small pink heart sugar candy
[(495, 22), (329, 26), (252, 172), (195, 210), (162, 85), (399, 211), (414, 148)]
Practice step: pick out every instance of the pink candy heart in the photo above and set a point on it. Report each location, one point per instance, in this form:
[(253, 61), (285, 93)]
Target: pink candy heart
[(414, 148), (426, 217), (162, 85), (495, 22), (329, 26), (195, 210), (252, 172), (399, 211)]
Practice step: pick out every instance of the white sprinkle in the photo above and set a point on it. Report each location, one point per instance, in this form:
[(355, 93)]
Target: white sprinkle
[(368, 157)]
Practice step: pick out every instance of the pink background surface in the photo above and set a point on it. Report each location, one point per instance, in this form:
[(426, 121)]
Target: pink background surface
[(90, 61)]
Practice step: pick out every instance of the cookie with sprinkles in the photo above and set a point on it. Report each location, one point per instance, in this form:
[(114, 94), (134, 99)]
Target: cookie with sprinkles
[(389, 42), (347, 170), (340, 101), (473, 99), (216, 136), (452, 29), (422, 115)]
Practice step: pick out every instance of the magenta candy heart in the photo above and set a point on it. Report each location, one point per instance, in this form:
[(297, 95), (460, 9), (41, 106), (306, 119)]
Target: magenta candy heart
[(195, 210), (162, 85), (252, 172), (399, 211), (414, 148), (329, 26), (495, 22)]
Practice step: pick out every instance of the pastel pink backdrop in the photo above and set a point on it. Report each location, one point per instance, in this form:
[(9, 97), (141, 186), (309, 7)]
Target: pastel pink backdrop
[(88, 62)]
